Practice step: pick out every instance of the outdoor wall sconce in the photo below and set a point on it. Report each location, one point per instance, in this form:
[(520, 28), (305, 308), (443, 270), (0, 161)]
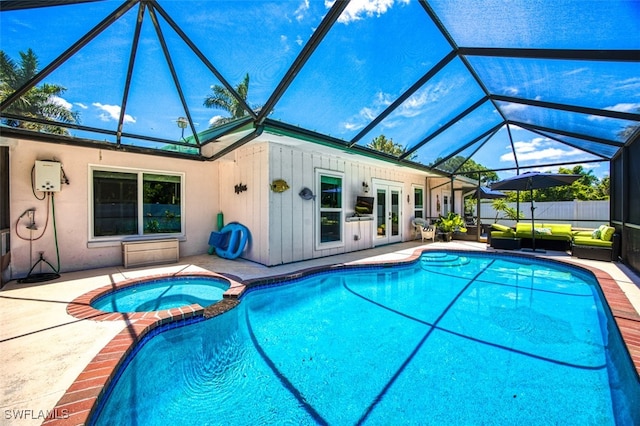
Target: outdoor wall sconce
[(365, 187), (240, 188)]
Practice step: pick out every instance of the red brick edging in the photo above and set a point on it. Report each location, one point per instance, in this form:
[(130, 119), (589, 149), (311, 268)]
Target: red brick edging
[(76, 405)]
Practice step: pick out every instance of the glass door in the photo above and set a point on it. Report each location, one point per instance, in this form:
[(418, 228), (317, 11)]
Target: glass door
[(388, 213)]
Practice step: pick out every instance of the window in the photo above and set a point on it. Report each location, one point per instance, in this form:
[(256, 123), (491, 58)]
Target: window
[(418, 202), (135, 203), (330, 228)]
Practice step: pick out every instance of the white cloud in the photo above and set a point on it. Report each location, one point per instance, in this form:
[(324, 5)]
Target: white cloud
[(366, 114), (352, 126), (359, 9), (299, 41), (513, 107), (112, 112), (511, 91), (283, 42), (81, 105), (61, 102), (575, 71), (214, 119), (622, 107), (538, 149), (629, 84), (301, 10)]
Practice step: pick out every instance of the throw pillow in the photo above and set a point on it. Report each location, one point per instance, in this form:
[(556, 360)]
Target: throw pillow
[(607, 235), (596, 234), (543, 231), (500, 227)]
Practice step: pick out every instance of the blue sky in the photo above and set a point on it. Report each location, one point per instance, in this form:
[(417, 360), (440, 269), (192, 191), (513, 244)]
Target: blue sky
[(376, 51)]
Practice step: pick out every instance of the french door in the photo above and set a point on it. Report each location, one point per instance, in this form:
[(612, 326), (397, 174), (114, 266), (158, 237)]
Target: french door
[(388, 213)]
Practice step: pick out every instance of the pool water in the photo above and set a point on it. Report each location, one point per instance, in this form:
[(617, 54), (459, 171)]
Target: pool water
[(451, 339), (164, 293)]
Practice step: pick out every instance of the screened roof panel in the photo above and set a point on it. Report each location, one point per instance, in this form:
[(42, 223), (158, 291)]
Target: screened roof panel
[(493, 152), (457, 161), (437, 102), (533, 149), (350, 71), (364, 64), (463, 132), (239, 37), (551, 24), (589, 125), (604, 150), (196, 81), (596, 84), (97, 97), (50, 34)]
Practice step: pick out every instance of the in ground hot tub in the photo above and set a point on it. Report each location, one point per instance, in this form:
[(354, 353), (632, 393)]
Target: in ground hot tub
[(163, 293)]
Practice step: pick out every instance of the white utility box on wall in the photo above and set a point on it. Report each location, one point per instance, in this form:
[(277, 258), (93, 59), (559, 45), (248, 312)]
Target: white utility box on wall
[(48, 176)]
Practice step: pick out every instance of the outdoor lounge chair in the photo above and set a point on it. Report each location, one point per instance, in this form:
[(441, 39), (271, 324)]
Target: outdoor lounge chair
[(428, 233), (418, 225)]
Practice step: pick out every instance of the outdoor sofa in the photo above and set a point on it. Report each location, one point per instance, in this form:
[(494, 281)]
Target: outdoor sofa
[(600, 244), (553, 236), (597, 244)]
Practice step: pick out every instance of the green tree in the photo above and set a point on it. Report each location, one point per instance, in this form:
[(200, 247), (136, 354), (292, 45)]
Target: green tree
[(602, 189), (222, 98), (38, 102), (388, 146), (585, 188), (465, 166), (500, 205)]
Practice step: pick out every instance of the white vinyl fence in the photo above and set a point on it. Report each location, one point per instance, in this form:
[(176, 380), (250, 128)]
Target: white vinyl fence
[(581, 214)]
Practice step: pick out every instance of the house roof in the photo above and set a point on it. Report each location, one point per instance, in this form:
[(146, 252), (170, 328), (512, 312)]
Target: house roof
[(510, 85)]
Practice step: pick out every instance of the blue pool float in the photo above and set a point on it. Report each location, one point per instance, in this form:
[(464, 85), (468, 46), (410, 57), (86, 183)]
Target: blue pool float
[(230, 241)]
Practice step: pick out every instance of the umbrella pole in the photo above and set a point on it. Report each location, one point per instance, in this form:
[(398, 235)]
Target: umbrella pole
[(533, 229)]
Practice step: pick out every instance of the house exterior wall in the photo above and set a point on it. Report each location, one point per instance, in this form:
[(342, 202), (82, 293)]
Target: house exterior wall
[(247, 165), (72, 205), (282, 224)]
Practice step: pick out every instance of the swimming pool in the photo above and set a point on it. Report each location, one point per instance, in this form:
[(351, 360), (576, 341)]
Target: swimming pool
[(162, 293), (453, 338)]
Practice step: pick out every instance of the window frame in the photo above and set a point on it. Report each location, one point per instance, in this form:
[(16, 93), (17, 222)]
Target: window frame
[(417, 207), (319, 210), (140, 235)]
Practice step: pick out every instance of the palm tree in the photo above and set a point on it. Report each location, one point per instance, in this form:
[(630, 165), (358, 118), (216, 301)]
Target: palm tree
[(223, 99), (38, 101)]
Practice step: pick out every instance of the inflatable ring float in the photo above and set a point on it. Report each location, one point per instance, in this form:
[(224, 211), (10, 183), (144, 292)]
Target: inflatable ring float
[(238, 237)]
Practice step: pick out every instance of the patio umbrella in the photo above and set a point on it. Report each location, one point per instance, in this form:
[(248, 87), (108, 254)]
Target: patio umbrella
[(487, 193), (534, 180), (484, 193)]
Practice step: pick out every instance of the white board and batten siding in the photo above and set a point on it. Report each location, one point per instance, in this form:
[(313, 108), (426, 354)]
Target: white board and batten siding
[(248, 166), (282, 225), (292, 219)]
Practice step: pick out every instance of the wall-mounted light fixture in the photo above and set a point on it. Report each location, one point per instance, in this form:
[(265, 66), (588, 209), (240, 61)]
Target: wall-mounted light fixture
[(365, 187)]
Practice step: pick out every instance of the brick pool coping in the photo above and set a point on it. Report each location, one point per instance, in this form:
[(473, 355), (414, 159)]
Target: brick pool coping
[(77, 404)]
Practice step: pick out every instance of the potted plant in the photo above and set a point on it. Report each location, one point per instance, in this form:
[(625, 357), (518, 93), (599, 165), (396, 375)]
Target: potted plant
[(449, 224)]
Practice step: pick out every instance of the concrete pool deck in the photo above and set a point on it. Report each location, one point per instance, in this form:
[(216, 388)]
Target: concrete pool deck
[(45, 349)]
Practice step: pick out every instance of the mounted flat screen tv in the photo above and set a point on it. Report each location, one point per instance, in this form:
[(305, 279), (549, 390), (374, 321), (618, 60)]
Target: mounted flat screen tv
[(364, 205)]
